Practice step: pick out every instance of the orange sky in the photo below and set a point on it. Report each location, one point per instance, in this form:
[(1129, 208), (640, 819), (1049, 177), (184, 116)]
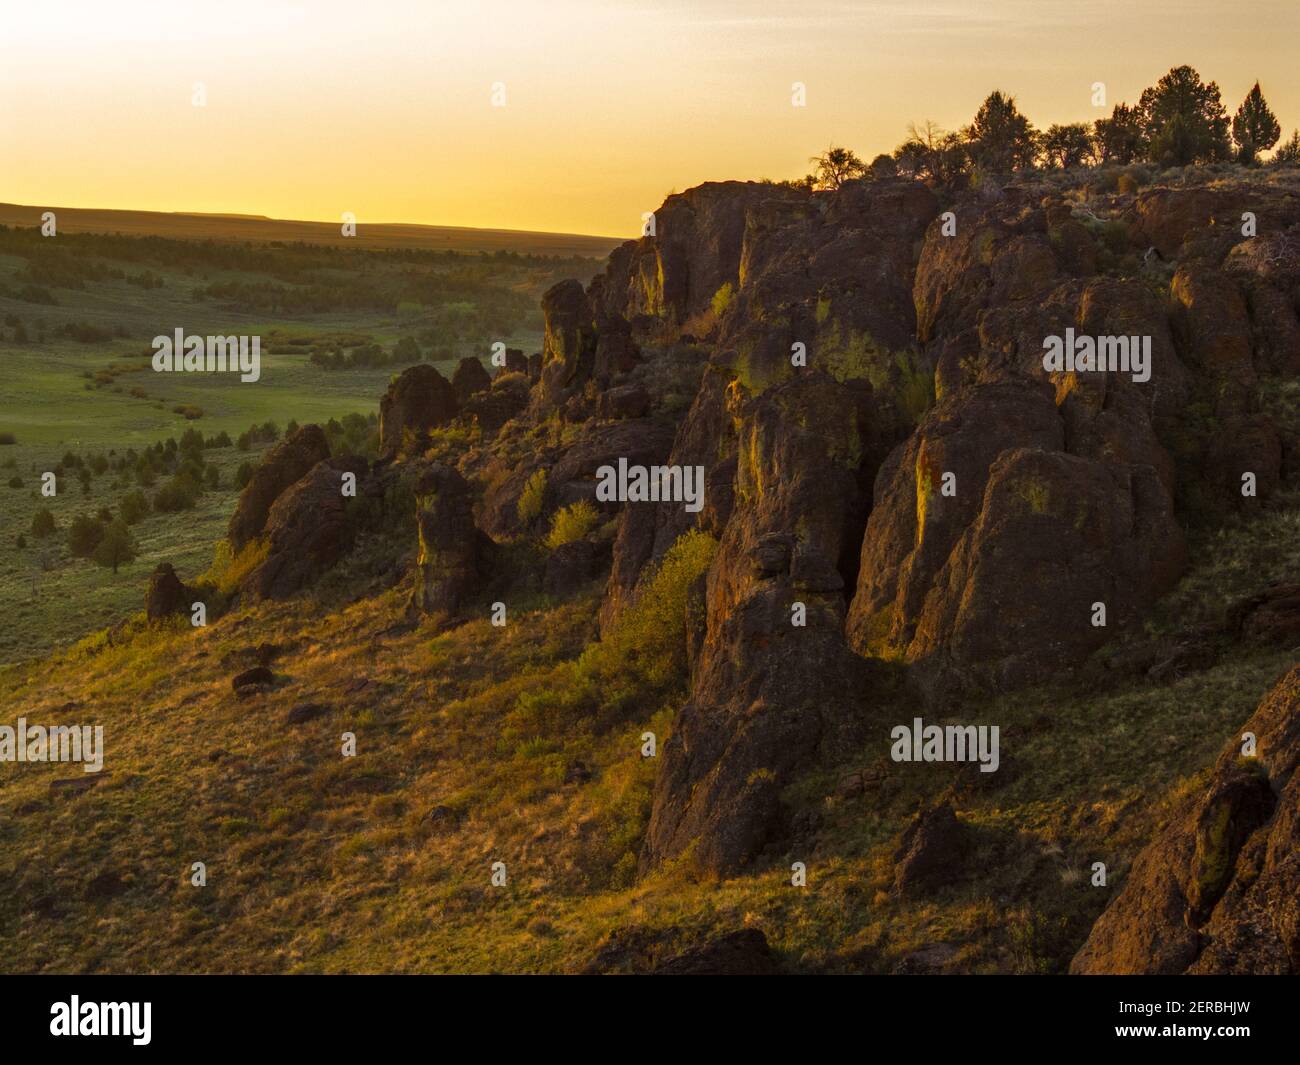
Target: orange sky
[(384, 108)]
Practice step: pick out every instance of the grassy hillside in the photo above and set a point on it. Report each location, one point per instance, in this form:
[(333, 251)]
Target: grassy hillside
[(478, 745)]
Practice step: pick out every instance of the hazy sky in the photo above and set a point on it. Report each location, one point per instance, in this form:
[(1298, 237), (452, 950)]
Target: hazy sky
[(384, 108)]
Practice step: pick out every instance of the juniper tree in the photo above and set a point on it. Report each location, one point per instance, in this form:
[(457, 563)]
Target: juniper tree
[(1289, 152), (1120, 138), (116, 547), (836, 166), (1183, 120), (1254, 127), (1001, 139), (1067, 146)]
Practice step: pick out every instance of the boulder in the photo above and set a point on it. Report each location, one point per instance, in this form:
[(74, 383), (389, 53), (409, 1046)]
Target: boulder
[(166, 595), (304, 712), (251, 678), (625, 401), (572, 565), (741, 953), (930, 851), (1270, 617)]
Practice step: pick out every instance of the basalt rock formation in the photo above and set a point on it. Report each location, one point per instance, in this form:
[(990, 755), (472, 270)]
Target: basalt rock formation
[(1218, 891), (307, 529), (885, 453), (284, 464), (910, 506), (419, 400), (454, 555)]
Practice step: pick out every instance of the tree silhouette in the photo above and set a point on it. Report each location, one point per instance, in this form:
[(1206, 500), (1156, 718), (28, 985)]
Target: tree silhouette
[(1001, 138), (1254, 127), (836, 166), (1067, 146), (1184, 120), (1120, 138)]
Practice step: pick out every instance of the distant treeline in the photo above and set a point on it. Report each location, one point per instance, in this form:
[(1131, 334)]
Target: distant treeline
[(287, 261), (1177, 122)]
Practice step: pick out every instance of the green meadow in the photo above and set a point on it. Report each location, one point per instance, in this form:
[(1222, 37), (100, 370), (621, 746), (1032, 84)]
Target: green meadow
[(77, 317)]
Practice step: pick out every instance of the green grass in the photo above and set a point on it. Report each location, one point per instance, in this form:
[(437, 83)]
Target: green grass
[(52, 405)]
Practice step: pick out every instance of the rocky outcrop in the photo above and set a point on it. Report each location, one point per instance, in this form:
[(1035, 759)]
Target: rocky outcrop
[(930, 851), (307, 531), (775, 686), (491, 409), (454, 554), (569, 351), (469, 379), (1218, 890), (420, 400), (166, 595), (695, 249), (280, 467)]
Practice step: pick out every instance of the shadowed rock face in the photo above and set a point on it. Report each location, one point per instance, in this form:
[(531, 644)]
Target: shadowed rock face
[(283, 465), (696, 249), (569, 351), (453, 553), (419, 400), (469, 379), (491, 409), (1218, 891), (769, 696), (166, 594), (307, 531)]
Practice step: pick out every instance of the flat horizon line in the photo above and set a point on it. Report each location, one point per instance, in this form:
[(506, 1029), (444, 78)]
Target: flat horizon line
[(8, 207)]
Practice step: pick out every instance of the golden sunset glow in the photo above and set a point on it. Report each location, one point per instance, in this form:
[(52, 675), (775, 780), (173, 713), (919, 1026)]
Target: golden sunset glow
[(385, 108)]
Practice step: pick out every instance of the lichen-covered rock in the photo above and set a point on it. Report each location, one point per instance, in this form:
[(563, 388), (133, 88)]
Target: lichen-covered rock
[(1056, 535), (454, 554)]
